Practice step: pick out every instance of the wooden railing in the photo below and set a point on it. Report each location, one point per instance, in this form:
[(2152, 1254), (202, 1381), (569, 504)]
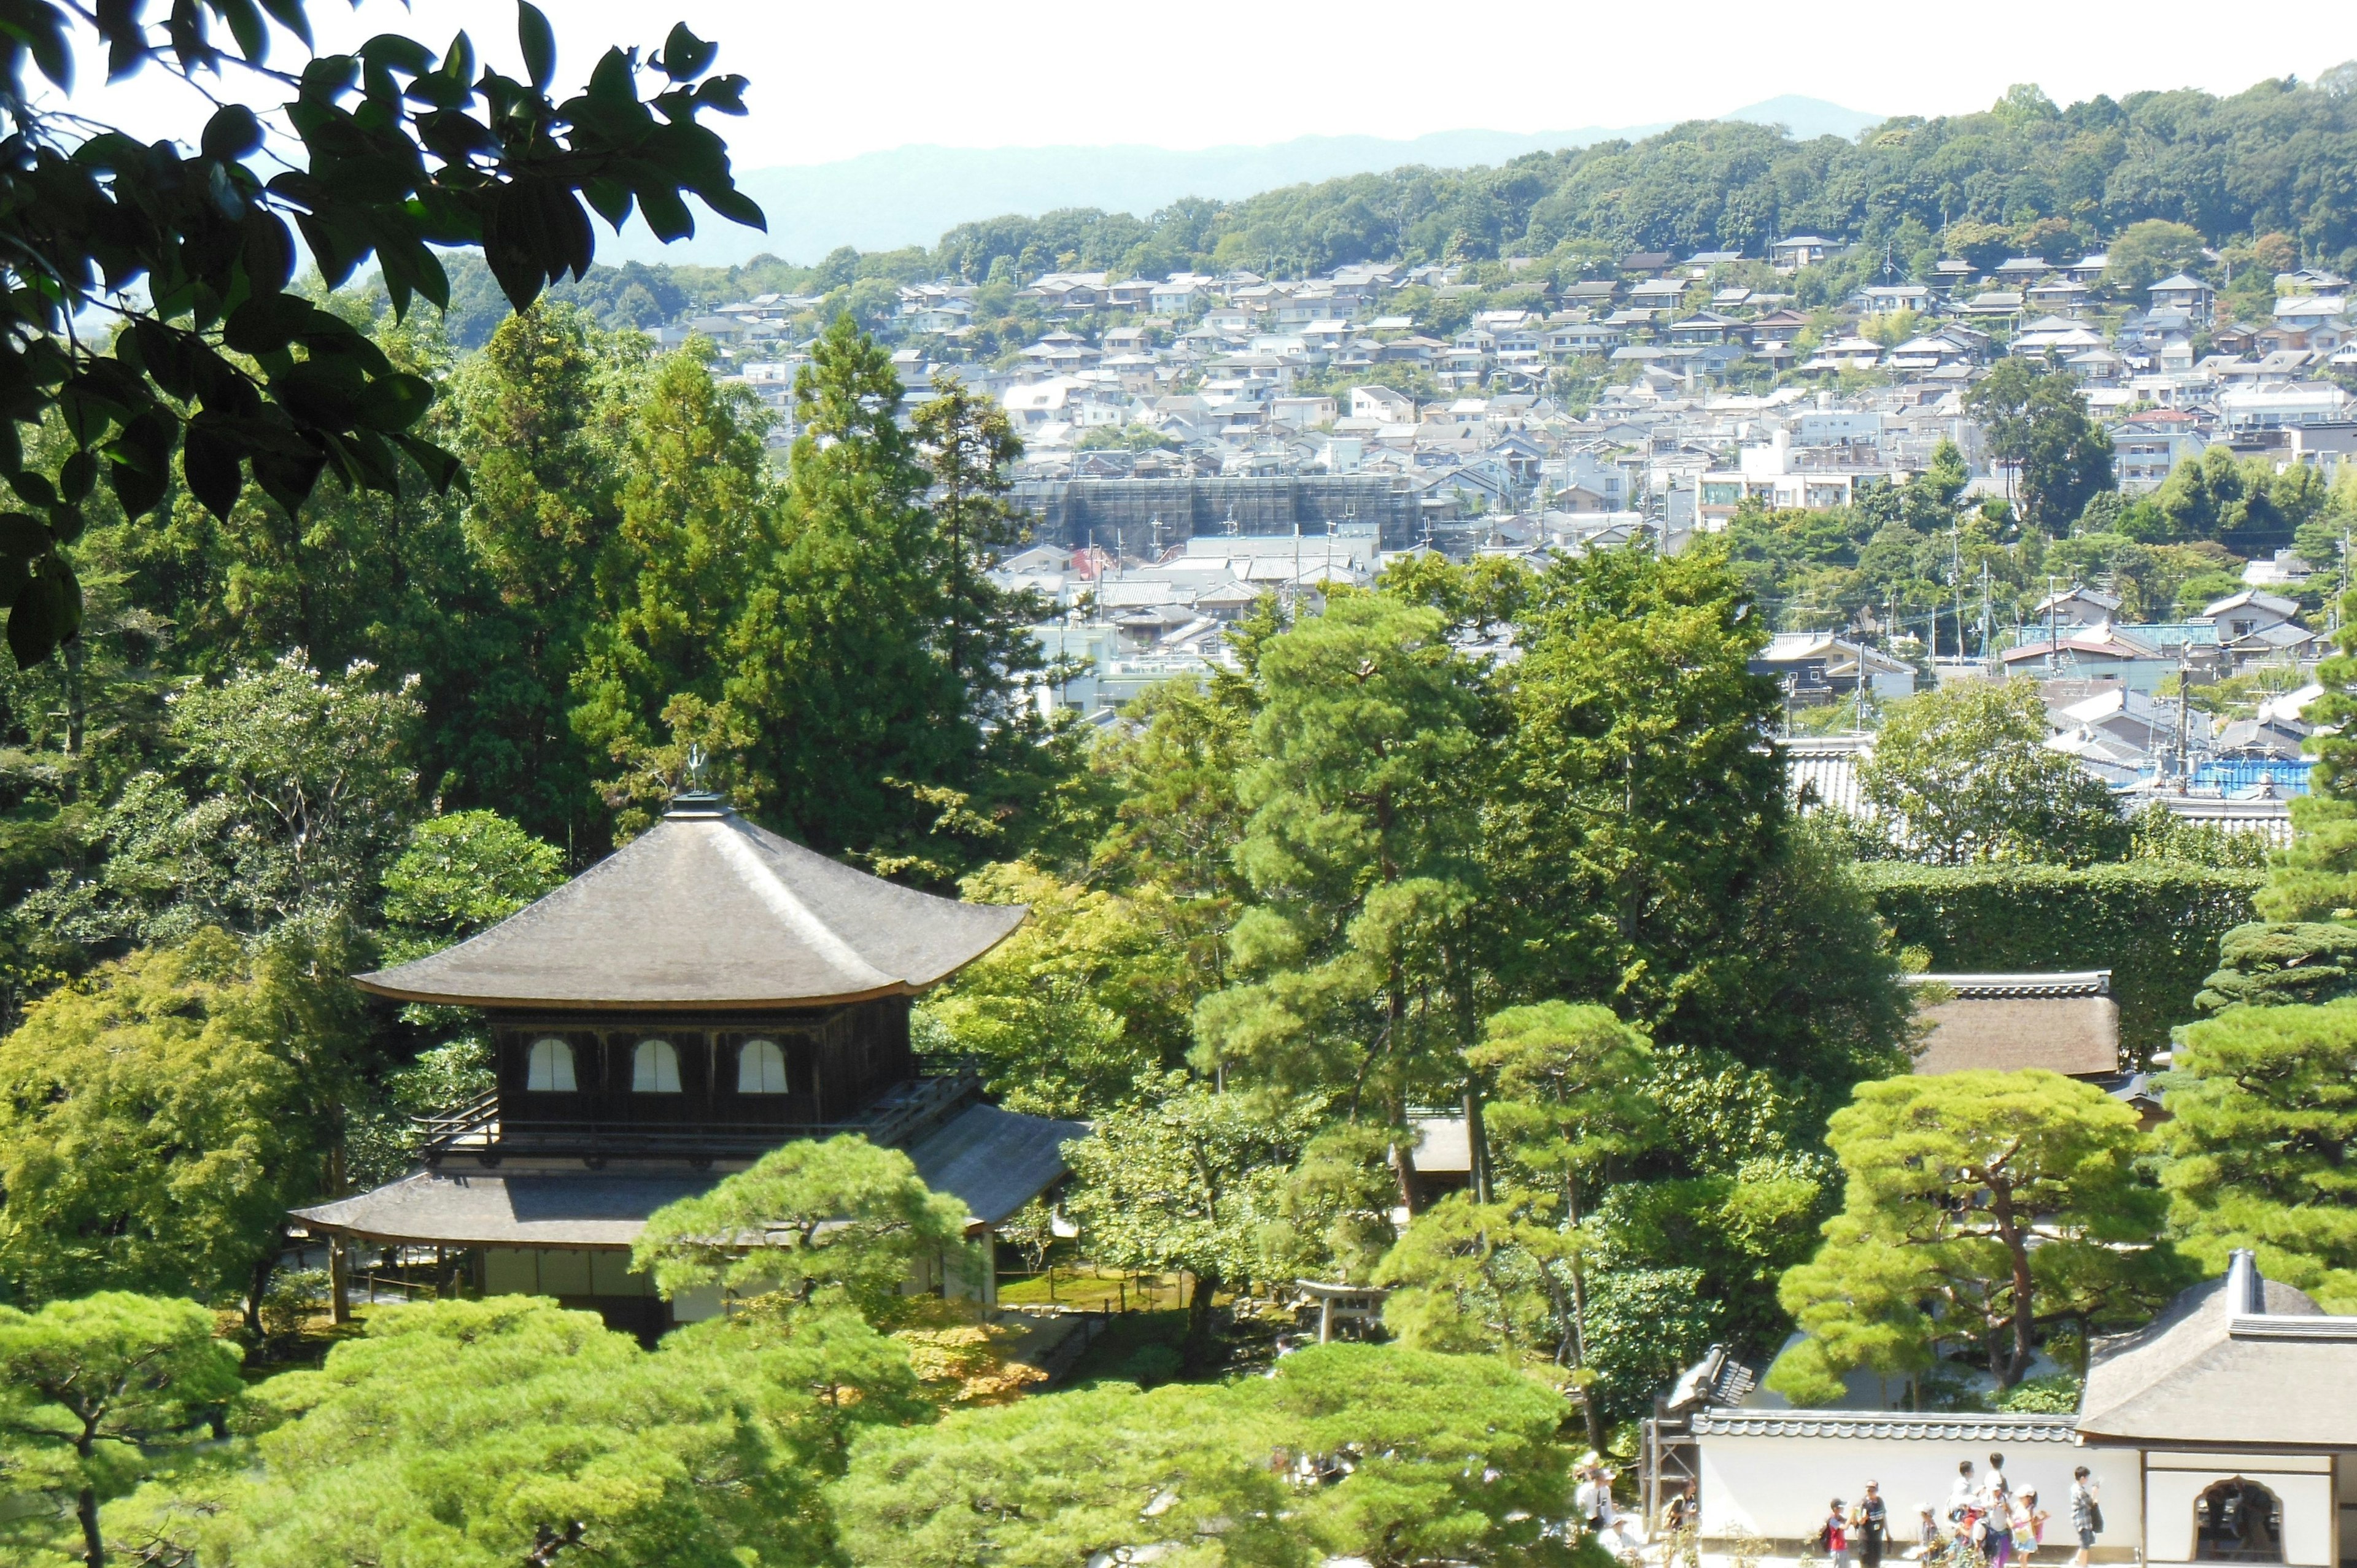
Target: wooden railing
[(903, 1115)]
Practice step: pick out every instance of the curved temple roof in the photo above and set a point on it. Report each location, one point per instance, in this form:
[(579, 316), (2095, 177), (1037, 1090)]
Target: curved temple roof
[(706, 910)]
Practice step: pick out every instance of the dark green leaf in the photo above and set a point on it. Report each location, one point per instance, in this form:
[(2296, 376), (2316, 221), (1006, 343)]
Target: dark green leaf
[(47, 611), (268, 250), (666, 213), (685, 56), (209, 463), (734, 206), (232, 132), (267, 322), (76, 475), (539, 45), (23, 536)]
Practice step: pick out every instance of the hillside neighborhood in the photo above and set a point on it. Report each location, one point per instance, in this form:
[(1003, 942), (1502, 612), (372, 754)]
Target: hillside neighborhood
[(1195, 443)]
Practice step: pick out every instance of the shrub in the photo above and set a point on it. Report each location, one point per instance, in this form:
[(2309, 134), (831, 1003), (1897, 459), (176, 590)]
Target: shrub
[(2154, 924)]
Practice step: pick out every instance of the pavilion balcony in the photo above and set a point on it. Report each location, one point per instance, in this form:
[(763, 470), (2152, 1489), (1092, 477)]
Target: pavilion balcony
[(899, 1117)]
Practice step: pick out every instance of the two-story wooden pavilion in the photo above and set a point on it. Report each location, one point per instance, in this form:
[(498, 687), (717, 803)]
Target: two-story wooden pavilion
[(699, 997)]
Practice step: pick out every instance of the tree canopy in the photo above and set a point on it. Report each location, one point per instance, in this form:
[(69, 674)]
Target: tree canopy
[(1964, 774), (2262, 1124), (1980, 1208), (192, 251), (840, 1214), (91, 1389)]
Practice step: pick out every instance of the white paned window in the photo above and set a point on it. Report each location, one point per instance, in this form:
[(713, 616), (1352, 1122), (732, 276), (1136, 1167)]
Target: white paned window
[(654, 1069), (552, 1067), (760, 1068)]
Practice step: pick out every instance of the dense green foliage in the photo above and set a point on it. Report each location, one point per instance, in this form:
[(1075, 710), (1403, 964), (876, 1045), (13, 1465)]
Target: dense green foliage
[(2274, 964), (217, 354), (1340, 882), (1964, 774), (2263, 1129), (1450, 1458), (467, 1433), (159, 1122), (2154, 924), (1980, 1208), (96, 1393)]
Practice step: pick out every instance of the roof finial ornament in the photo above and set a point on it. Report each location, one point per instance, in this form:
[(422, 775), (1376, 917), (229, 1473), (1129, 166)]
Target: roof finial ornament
[(696, 800)]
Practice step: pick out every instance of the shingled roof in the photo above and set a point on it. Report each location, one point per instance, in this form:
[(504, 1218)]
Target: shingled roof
[(706, 910), (2064, 1022), (992, 1161), (2242, 1360)]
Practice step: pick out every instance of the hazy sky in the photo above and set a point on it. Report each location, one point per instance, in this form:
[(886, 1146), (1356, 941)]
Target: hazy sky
[(830, 80)]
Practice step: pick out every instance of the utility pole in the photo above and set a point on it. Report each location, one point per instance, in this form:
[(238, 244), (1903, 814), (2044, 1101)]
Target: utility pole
[(1956, 576), (2184, 704), (2052, 622), (1984, 611)]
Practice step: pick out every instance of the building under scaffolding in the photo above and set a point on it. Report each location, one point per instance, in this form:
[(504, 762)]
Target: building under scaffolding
[(1142, 518)]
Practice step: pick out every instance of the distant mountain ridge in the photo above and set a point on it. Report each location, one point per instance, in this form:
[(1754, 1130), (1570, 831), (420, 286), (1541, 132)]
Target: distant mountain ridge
[(912, 195)]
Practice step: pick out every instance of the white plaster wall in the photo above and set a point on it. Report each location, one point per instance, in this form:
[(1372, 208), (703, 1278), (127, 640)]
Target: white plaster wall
[(1779, 1486), (2307, 1507)]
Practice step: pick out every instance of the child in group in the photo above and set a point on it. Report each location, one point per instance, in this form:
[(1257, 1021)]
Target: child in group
[(1834, 1536), (2028, 1525), (1927, 1534)]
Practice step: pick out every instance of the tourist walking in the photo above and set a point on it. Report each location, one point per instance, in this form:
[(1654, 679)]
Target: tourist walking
[(1682, 1528), (2086, 1514), (1964, 1499), (1927, 1533), (1834, 1535), (2028, 1524), (1996, 1511), (1873, 1525)]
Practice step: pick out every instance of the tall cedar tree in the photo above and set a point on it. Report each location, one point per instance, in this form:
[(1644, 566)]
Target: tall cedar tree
[(1640, 801), (697, 525), (1642, 843), (840, 676), (534, 416)]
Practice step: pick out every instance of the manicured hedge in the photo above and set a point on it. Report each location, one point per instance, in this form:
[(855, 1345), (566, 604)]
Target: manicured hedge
[(2155, 924)]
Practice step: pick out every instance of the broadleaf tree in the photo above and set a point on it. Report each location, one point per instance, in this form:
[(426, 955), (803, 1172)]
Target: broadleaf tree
[(385, 153)]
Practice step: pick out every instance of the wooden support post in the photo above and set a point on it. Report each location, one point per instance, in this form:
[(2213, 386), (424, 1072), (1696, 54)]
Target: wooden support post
[(340, 1304)]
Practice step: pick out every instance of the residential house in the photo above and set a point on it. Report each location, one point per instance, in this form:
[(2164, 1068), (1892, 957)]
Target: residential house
[(1657, 293), (1891, 298), (2248, 613), (1821, 665), (1382, 405), (2058, 296), (1181, 295), (1799, 251), (2184, 291), (2076, 606)]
